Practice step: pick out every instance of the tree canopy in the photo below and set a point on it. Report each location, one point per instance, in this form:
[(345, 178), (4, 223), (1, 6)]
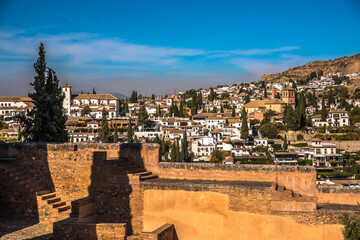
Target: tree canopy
[(46, 121)]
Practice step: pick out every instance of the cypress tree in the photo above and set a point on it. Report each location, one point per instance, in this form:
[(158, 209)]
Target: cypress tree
[(247, 99), (211, 95), (19, 134), (116, 137), (221, 109), (136, 140), (126, 107), (181, 110), (290, 118), (200, 99), (323, 110), (134, 97), (164, 147), (285, 145), (233, 111), (153, 97), (130, 132), (314, 99), (302, 114), (105, 131), (173, 152), (244, 126), (265, 92), (331, 99), (93, 91), (46, 121), (184, 148), (143, 116), (177, 151)]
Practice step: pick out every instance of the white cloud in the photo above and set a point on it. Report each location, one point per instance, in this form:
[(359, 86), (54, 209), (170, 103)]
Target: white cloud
[(87, 47), (118, 63)]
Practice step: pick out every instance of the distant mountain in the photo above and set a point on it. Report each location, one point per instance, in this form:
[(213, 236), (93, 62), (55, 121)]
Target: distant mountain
[(119, 95), (344, 65)]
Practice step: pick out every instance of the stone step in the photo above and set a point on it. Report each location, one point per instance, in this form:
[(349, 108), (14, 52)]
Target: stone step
[(60, 204), (25, 181), (143, 173), (8, 159), (117, 159), (139, 170), (48, 196), (147, 177), (132, 237), (43, 192), (54, 200), (10, 169), (18, 176), (63, 209), (14, 172)]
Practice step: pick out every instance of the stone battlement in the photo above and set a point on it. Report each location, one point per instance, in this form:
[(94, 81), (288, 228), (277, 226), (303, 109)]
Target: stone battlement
[(127, 187)]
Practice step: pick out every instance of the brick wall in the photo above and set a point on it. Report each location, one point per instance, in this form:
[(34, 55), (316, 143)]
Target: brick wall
[(69, 229), (337, 195)]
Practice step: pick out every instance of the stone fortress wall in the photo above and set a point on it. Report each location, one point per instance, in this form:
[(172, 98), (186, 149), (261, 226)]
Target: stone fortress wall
[(195, 200)]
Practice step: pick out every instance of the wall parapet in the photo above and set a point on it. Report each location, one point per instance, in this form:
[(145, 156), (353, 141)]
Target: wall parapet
[(337, 189), (236, 167)]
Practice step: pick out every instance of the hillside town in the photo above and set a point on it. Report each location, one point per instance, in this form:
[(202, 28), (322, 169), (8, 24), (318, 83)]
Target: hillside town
[(315, 122)]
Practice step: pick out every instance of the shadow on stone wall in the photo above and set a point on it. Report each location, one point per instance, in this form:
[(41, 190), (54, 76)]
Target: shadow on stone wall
[(21, 181), (110, 189)]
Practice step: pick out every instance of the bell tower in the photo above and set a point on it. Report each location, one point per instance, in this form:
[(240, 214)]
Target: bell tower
[(288, 96), (66, 88)]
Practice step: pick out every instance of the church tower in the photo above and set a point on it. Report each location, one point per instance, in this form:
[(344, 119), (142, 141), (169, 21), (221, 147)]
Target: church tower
[(288, 96), (66, 88)]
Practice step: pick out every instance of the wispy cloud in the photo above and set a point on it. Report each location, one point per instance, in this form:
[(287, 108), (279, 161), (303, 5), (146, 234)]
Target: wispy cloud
[(87, 47), (112, 61)]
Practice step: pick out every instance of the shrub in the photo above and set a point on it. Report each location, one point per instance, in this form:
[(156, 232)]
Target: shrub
[(276, 147), (351, 231), (300, 137), (300, 145)]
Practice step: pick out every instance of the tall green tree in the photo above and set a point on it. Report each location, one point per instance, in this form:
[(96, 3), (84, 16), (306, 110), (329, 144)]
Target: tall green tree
[(153, 96), (212, 95), (323, 110), (221, 109), (126, 107), (181, 110), (265, 92), (116, 137), (134, 97), (143, 117), (46, 122), (136, 140), (290, 118), (93, 91), (104, 131), (130, 132), (173, 152), (177, 159), (244, 126), (331, 98), (247, 99), (19, 138), (233, 112), (184, 148), (285, 145)]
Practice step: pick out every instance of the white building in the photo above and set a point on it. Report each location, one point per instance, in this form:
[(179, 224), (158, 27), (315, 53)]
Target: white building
[(336, 118), (325, 154), (203, 146)]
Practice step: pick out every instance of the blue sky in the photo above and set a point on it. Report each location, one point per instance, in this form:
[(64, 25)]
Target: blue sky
[(162, 46)]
